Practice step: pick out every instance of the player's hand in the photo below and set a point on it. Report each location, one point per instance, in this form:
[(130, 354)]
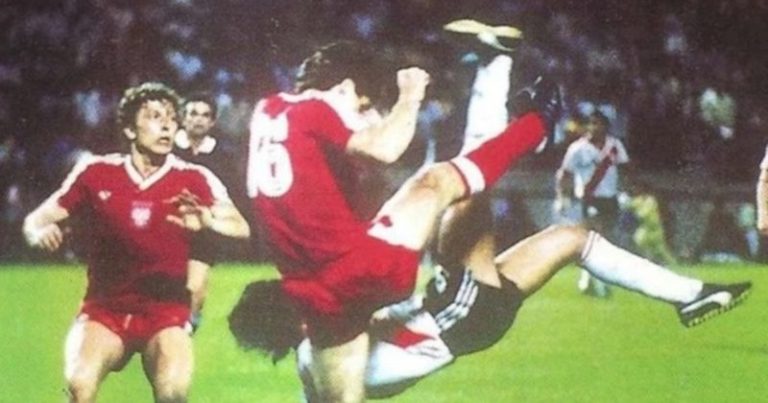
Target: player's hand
[(190, 213), (412, 83), (49, 238)]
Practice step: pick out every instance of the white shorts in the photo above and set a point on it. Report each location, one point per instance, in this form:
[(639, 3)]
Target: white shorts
[(411, 353)]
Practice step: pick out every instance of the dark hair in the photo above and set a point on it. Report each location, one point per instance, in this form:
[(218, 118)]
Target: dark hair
[(601, 117), (206, 98), (265, 320), (335, 62), (134, 97)]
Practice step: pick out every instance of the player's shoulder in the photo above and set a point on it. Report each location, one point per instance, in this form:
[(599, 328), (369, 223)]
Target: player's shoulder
[(98, 162)]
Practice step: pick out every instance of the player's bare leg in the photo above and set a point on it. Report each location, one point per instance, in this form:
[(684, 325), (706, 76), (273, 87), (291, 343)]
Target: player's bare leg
[(91, 351), (414, 209), (168, 362), (534, 260), (339, 371)]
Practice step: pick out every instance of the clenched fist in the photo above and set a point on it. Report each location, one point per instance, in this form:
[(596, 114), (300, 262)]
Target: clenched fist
[(412, 83)]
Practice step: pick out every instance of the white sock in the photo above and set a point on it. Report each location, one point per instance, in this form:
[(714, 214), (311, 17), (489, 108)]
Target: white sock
[(618, 266), (487, 114)]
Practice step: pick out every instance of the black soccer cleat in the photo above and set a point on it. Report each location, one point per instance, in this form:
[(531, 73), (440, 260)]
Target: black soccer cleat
[(542, 97), (713, 300)]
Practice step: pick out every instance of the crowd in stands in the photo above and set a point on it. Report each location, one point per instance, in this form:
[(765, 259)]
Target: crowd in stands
[(684, 79)]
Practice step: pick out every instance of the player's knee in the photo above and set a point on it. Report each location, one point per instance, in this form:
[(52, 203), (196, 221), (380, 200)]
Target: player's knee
[(82, 385), (171, 390), (440, 178), (574, 238)]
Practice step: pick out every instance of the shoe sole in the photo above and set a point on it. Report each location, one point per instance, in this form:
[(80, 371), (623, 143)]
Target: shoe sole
[(722, 309)]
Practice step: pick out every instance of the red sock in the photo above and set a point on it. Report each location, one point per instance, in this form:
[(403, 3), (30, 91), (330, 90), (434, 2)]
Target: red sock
[(495, 156)]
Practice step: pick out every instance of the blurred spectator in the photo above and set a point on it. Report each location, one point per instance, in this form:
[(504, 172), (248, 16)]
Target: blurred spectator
[(13, 203), (718, 109), (746, 219), (723, 240), (649, 236), (682, 77)]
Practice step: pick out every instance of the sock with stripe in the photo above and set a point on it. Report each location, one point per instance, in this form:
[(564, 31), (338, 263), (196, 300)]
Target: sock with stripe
[(482, 167), (620, 267)]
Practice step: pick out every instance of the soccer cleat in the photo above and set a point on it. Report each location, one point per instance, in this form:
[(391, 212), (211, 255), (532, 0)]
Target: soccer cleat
[(501, 38), (542, 97), (713, 300)]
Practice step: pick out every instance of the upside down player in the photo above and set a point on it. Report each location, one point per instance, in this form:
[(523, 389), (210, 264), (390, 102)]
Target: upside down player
[(140, 207), (338, 268), (471, 305)]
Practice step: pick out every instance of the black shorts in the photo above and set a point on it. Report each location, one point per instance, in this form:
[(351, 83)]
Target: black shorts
[(205, 246), (472, 316), (602, 208)]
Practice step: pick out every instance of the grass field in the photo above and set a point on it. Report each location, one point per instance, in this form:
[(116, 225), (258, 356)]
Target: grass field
[(564, 348)]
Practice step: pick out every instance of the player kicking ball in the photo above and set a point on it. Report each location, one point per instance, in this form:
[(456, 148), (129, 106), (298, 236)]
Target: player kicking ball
[(468, 307), (265, 318)]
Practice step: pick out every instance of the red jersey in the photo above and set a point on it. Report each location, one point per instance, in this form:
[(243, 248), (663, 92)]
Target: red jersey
[(301, 181), (134, 252)]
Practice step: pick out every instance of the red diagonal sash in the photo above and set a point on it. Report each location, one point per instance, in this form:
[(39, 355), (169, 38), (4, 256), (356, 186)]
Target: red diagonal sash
[(600, 171)]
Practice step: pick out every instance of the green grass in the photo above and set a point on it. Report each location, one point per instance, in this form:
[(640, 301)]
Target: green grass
[(563, 348)]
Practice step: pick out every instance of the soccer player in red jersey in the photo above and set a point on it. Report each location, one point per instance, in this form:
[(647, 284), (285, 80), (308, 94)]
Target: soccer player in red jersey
[(140, 208), (337, 267)]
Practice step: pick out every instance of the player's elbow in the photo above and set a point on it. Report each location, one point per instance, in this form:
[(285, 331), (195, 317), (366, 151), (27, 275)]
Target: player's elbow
[(762, 226), (388, 156), (245, 231), (382, 153), (240, 229)]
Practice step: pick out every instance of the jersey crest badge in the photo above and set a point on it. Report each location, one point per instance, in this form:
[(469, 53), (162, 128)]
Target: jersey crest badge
[(141, 213)]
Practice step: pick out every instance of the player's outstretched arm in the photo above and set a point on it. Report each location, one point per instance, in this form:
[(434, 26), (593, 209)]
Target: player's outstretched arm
[(41, 229), (387, 140)]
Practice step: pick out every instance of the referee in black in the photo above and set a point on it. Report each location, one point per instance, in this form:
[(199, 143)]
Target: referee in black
[(197, 142)]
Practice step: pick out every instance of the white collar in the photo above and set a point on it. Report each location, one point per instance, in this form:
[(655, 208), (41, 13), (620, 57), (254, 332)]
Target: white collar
[(145, 183), (206, 146)]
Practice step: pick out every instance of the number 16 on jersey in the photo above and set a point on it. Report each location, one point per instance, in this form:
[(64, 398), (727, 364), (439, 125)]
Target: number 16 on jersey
[(270, 172)]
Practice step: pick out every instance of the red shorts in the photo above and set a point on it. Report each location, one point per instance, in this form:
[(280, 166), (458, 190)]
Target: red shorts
[(137, 327), (337, 300)]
